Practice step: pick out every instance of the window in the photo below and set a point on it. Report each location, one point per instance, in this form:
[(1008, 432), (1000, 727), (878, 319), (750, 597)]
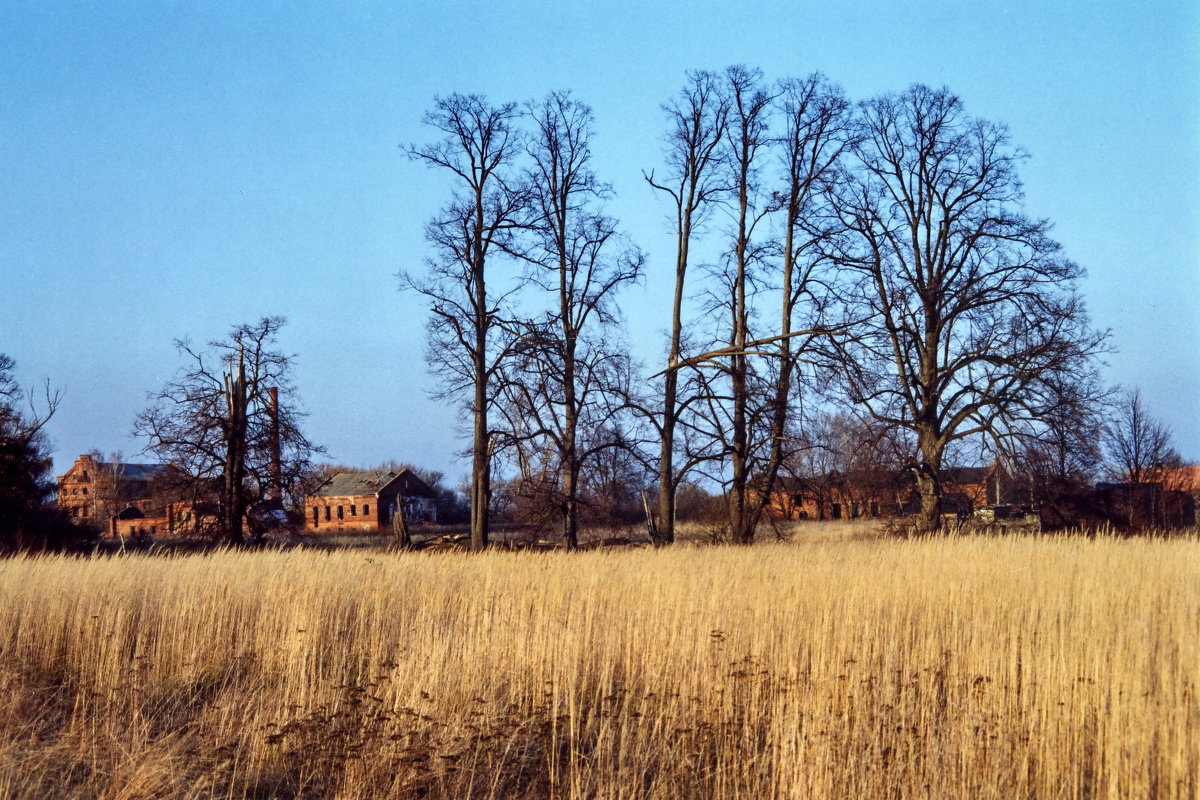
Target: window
[(85, 490), (327, 513), (316, 515), (366, 510), (353, 510), (340, 513), (152, 529)]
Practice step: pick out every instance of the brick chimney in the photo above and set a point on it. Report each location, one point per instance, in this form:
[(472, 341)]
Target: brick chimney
[(275, 478)]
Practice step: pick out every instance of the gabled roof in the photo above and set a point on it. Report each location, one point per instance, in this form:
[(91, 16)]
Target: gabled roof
[(371, 483)]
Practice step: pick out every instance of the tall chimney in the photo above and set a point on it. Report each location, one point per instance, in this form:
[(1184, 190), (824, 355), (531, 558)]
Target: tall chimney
[(275, 487)]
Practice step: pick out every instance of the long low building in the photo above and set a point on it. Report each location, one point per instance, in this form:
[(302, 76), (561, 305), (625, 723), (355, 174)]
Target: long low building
[(366, 501)]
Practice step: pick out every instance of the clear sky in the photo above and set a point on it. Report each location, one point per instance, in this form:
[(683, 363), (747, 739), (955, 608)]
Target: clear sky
[(170, 169)]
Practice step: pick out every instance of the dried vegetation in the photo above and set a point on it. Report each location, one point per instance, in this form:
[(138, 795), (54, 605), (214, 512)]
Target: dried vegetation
[(948, 668)]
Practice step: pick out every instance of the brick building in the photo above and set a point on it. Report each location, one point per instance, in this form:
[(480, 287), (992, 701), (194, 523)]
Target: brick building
[(367, 501), (121, 499), (883, 493)]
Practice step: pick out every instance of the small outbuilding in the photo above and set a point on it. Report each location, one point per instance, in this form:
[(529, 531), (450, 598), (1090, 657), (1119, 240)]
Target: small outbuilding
[(367, 501)]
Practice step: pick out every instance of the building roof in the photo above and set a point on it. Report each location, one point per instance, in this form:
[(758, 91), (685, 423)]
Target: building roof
[(125, 470), (135, 472), (345, 484)]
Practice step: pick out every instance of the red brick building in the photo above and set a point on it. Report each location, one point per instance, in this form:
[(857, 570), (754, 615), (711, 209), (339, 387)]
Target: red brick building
[(367, 501), (882, 493), (121, 499)]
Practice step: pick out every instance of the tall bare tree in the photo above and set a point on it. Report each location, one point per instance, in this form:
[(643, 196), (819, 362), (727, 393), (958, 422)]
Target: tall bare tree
[(964, 302), (744, 413), (467, 332), (216, 423), (694, 181), (572, 372), (746, 138)]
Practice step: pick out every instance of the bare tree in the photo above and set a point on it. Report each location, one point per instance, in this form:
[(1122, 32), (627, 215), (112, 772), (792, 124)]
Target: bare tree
[(572, 372), (215, 422), (1055, 458), (694, 181), (746, 136), (962, 302), (816, 132), (467, 335), (1138, 444), (744, 412)]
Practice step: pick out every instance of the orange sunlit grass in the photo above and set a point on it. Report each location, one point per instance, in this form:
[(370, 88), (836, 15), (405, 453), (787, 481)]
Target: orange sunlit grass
[(1001, 667)]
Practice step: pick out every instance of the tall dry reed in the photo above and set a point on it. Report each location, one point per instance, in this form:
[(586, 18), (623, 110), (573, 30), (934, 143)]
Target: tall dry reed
[(952, 668)]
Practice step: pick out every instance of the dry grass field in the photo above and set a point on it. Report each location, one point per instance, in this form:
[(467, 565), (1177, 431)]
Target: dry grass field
[(834, 666)]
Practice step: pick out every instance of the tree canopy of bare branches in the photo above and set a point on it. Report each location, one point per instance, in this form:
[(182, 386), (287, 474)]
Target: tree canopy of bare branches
[(1138, 444), (467, 333), (961, 303), (214, 422), (570, 375)]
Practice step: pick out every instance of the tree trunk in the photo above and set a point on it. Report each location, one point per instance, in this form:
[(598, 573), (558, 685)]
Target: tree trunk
[(400, 532), (235, 453), (481, 489), (667, 485), (481, 456), (930, 519)]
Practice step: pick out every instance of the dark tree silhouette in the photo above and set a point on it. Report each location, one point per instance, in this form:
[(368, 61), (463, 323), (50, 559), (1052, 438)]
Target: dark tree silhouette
[(25, 484), (693, 180)]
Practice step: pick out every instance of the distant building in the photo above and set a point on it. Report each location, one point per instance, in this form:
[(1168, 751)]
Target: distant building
[(366, 501), (884, 493), (1170, 498), (122, 499)]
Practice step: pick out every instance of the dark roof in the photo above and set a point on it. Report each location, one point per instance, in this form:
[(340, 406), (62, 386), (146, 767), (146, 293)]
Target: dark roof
[(135, 472), (360, 483), (964, 475), (881, 478), (861, 478)]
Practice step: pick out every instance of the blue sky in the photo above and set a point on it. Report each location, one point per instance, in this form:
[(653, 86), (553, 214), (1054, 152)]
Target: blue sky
[(173, 168)]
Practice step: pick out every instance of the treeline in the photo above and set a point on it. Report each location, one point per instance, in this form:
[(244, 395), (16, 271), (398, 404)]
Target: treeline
[(867, 262)]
